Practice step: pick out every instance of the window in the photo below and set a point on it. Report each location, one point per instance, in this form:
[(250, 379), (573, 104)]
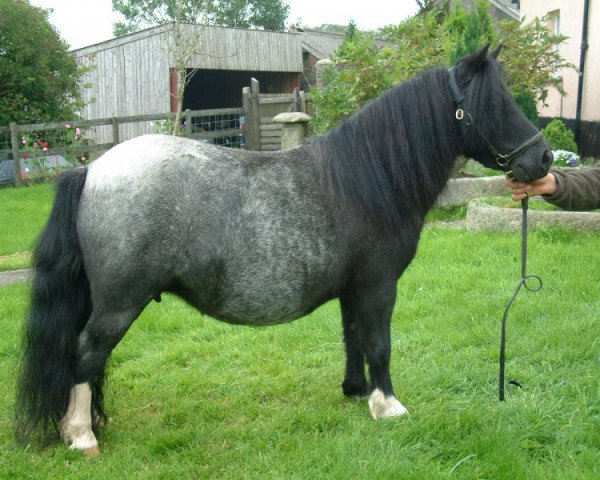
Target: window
[(554, 28)]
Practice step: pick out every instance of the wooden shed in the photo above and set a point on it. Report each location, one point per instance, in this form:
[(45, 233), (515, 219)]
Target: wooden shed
[(134, 74)]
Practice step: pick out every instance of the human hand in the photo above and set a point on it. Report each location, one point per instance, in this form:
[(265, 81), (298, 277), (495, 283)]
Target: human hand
[(542, 186)]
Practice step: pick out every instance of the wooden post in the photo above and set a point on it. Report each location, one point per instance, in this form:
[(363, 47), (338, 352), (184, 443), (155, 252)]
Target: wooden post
[(188, 123), (303, 102), (115, 130), (296, 101), (246, 114), (14, 140), (252, 114)]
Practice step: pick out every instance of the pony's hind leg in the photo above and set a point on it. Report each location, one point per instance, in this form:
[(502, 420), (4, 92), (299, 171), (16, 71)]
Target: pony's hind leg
[(368, 310), (97, 340), (76, 425)]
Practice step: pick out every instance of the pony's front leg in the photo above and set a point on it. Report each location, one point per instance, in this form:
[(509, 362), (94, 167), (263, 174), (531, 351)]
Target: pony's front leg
[(370, 310), (355, 382), (76, 426)]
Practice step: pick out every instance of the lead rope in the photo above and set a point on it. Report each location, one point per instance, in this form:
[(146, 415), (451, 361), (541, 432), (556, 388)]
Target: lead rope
[(522, 282)]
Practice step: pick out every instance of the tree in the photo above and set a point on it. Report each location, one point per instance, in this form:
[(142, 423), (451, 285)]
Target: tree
[(329, 28), (427, 5), (264, 14), (431, 39), (471, 30), (139, 14), (532, 58), (360, 75), (39, 79)]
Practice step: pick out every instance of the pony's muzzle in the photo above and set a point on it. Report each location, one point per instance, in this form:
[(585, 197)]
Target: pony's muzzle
[(526, 172)]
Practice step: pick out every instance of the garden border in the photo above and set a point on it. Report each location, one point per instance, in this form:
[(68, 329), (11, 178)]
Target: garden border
[(481, 216)]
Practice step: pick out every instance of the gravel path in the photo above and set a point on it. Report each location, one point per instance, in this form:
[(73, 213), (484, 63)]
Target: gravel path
[(15, 276)]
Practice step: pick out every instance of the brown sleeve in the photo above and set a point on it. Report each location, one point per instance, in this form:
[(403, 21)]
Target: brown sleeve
[(577, 189)]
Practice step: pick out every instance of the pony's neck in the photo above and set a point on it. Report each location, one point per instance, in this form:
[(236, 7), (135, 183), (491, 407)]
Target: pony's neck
[(393, 158)]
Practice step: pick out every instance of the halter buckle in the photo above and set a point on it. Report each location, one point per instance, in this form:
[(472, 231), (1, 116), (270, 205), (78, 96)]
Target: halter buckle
[(502, 160), (460, 114)]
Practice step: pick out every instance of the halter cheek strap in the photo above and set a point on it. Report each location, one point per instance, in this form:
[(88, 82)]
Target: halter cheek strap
[(457, 96), (502, 160)]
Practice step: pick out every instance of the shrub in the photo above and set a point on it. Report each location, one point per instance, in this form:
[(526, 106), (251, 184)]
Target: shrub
[(527, 104), (364, 68), (559, 137)]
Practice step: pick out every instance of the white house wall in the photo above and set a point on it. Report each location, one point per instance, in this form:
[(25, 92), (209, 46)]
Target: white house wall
[(571, 20)]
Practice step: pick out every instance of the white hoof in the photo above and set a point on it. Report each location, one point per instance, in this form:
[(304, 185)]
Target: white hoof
[(384, 407), (83, 440)]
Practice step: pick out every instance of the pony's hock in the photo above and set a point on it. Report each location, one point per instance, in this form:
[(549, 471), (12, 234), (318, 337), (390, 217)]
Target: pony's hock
[(253, 238)]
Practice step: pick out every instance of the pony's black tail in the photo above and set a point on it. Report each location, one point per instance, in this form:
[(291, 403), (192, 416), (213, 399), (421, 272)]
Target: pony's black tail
[(60, 307)]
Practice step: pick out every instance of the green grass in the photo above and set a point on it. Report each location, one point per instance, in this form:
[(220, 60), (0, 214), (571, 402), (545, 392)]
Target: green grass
[(475, 169), (442, 214), (190, 397), (23, 213)]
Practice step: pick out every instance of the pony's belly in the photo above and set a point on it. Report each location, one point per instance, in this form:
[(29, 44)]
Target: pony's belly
[(268, 306)]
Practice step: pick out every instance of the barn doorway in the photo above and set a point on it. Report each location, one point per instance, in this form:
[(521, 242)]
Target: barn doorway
[(209, 89), (222, 89)]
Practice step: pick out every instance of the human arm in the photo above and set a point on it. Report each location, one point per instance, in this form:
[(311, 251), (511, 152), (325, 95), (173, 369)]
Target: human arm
[(568, 189)]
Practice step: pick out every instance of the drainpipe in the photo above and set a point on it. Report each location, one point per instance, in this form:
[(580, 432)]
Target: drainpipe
[(584, 47)]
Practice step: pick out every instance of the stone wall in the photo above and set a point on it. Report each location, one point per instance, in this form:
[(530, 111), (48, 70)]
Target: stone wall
[(460, 191), (491, 218)]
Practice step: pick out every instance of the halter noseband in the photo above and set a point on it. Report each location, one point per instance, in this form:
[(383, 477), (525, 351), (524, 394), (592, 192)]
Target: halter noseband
[(501, 159)]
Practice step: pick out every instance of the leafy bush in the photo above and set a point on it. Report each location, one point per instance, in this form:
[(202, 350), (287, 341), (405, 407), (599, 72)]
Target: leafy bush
[(559, 137), (361, 71), (364, 68), (527, 104)]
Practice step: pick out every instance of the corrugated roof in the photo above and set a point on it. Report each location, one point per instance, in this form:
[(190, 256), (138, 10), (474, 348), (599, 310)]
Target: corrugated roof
[(321, 44)]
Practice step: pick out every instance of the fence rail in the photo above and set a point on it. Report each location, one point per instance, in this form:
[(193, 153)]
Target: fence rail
[(251, 125), (197, 130)]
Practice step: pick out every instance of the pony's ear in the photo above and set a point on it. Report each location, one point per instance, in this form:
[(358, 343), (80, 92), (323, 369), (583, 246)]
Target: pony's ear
[(479, 59), (494, 53)]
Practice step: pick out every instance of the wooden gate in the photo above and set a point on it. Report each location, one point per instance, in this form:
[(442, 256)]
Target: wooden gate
[(259, 109)]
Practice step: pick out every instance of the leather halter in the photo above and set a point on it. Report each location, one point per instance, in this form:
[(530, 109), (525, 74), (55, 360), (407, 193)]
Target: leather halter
[(501, 159)]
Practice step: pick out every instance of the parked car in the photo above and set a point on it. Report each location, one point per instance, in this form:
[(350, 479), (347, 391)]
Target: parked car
[(29, 167)]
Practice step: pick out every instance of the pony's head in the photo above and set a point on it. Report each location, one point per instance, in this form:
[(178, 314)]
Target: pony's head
[(495, 131)]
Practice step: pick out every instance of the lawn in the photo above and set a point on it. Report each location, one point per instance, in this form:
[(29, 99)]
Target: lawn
[(189, 397), (23, 213)]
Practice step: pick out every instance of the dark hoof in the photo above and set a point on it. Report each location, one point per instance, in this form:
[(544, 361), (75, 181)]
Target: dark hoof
[(354, 389)]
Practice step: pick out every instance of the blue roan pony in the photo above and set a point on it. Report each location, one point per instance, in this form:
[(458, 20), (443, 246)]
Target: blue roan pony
[(256, 238)]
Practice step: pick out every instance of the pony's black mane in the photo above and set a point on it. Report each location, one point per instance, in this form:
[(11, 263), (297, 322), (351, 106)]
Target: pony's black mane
[(392, 159)]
